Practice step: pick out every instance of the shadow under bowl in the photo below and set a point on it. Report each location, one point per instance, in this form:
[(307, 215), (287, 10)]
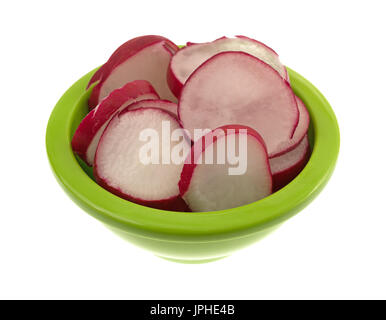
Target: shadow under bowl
[(191, 237)]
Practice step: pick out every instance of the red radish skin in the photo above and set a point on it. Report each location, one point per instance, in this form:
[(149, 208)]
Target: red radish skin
[(96, 76), (235, 87), (199, 190), (145, 58), (129, 48), (87, 135), (118, 168), (286, 167), (172, 204), (160, 104), (300, 131), (174, 83), (189, 58)]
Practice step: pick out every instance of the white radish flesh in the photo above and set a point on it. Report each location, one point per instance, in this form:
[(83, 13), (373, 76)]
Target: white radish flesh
[(235, 87), (142, 58), (189, 58), (209, 186), (120, 169)]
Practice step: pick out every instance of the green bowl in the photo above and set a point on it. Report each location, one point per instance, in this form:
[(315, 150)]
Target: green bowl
[(191, 237)]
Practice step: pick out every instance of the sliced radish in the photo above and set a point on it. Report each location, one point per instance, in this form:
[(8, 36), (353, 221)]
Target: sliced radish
[(86, 137), (286, 167), (300, 131), (188, 59), (210, 186), (235, 87), (121, 168), (160, 104), (144, 58)]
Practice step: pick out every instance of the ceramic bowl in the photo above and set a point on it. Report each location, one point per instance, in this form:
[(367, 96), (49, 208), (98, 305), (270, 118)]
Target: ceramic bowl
[(191, 237)]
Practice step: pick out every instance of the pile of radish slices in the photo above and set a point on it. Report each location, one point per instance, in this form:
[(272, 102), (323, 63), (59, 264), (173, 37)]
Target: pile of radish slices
[(205, 101)]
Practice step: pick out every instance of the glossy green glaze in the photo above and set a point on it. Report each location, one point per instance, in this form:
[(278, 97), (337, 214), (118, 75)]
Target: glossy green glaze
[(191, 237)]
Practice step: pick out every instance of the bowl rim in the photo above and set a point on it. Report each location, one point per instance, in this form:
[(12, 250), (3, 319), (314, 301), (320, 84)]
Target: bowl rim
[(235, 222)]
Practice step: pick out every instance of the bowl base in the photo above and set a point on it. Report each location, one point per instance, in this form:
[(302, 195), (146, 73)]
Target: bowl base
[(191, 261)]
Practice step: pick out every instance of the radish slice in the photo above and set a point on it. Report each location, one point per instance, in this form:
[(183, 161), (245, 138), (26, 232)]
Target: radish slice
[(145, 58), (86, 137), (286, 167), (120, 161), (188, 59), (300, 131), (207, 186), (235, 87), (160, 104)]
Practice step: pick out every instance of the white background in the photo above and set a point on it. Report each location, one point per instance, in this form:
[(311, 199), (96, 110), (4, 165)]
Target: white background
[(335, 248)]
